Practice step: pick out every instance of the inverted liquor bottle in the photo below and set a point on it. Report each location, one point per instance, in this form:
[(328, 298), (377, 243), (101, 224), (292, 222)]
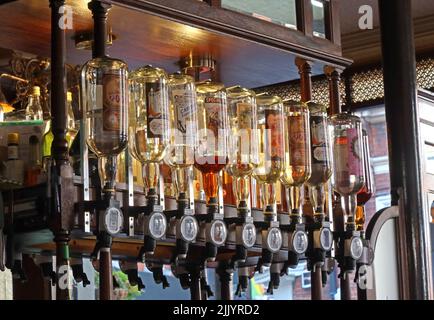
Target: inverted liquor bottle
[(321, 155), (212, 150), (149, 97), (297, 153), (349, 171), (364, 195), (270, 166), (320, 235), (105, 91), (243, 140), (243, 159), (183, 111), (211, 157), (180, 156)]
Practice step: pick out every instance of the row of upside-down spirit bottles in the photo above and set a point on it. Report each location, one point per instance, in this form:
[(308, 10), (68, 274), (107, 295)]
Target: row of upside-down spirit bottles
[(210, 128)]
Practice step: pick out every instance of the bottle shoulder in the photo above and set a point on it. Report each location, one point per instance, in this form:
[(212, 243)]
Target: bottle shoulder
[(105, 62)]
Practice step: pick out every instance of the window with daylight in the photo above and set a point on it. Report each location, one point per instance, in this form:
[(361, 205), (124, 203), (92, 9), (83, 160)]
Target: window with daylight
[(281, 12)]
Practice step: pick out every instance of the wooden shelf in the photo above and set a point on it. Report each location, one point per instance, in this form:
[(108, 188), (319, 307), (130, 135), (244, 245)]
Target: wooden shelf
[(249, 51)]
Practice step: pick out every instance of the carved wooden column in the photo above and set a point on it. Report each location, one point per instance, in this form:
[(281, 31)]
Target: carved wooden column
[(99, 14), (405, 162), (333, 77), (305, 71), (61, 171)]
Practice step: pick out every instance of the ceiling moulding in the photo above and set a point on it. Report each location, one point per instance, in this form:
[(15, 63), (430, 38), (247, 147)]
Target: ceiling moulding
[(365, 46)]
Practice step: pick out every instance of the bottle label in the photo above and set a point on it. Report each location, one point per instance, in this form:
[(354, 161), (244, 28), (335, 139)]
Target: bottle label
[(347, 158), (354, 154), (111, 97), (141, 141), (213, 107), (244, 115), (319, 140), (274, 134), (12, 152), (297, 140), (184, 102), (154, 100)]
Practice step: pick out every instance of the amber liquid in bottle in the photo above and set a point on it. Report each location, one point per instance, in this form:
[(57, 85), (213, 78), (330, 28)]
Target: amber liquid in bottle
[(210, 171)]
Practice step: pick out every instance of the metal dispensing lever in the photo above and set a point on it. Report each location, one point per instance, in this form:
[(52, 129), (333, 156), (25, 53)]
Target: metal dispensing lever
[(271, 237), (157, 272), (109, 221), (187, 226), (149, 218), (245, 233), (297, 241), (78, 272), (213, 225), (320, 242), (130, 269), (350, 248), (154, 223), (45, 263)]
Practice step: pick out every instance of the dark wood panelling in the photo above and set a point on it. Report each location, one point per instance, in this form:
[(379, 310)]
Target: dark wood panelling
[(245, 57)]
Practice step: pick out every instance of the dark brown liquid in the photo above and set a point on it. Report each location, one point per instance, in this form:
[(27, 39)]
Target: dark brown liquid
[(363, 196), (210, 167)]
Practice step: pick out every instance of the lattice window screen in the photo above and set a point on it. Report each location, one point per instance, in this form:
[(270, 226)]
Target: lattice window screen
[(365, 86), (425, 73)]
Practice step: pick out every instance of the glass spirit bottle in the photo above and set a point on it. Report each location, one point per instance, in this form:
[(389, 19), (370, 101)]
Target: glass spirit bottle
[(212, 153), (180, 157), (211, 157), (47, 141), (349, 172), (149, 98), (104, 89), (270, 167), (184, 130), (321, 155), (34, 107), (71, 124), (271, 148), (364, 195), (243, 152), (297, 153), (243, 158), (33, 171), (14, 166)]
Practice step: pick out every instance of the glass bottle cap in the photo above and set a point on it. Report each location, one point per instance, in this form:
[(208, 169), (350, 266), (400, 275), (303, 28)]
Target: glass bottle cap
[(36, 91), (13, 138)]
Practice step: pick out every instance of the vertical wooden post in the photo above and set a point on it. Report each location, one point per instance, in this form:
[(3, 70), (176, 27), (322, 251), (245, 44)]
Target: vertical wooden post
[(305, 71), (333, 76), (400, 87), (60, 201), (99, 14), (59, 147)]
